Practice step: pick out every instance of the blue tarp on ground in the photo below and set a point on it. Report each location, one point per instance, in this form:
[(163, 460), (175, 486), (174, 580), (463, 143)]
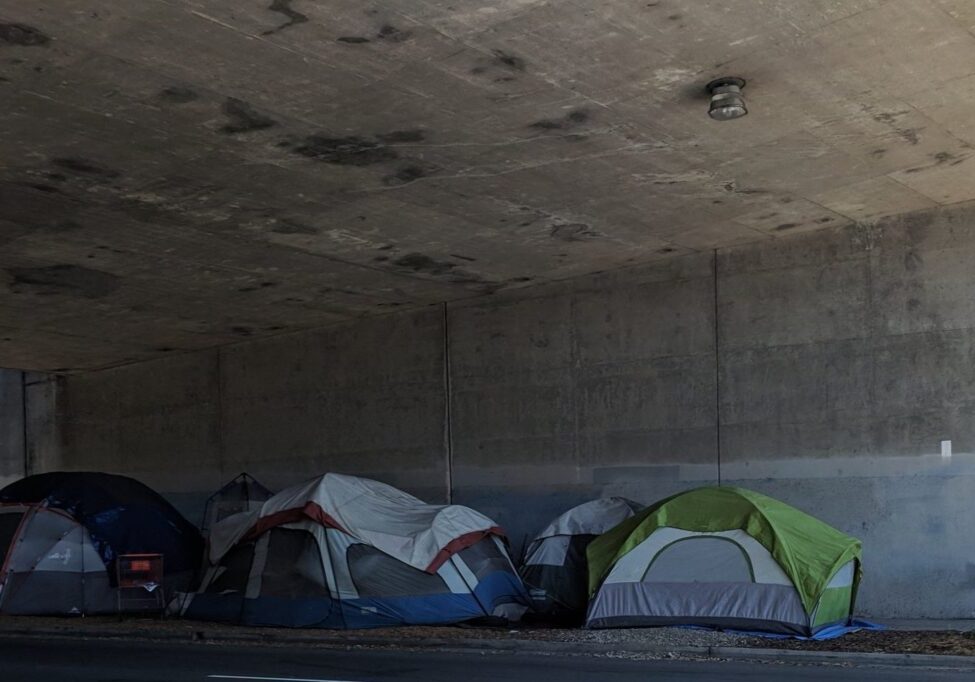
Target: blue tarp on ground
[(828, 632)]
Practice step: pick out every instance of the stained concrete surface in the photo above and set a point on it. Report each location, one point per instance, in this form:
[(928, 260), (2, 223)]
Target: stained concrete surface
[(844, 359), (188, 174)]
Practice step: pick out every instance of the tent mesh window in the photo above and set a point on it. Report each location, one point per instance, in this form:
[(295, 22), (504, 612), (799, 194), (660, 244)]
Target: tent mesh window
[(294, 566), (376, 574), (8, 526), (485, 558), (241, 494), (237, 567), (700, 560)]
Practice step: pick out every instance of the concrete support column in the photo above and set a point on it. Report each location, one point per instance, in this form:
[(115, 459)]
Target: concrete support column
[(12, 432)]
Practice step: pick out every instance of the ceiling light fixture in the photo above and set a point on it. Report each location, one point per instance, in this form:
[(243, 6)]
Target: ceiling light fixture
[(727, 101)]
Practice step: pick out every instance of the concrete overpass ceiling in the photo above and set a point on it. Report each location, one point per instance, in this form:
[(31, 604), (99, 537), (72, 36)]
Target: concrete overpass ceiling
[(179, 174)]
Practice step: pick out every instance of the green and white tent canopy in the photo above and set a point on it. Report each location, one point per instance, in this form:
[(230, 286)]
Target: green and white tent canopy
[(723, 557)]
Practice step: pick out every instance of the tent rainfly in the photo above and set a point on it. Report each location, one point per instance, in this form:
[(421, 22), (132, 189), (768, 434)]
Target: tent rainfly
[(345, 552), (555, 568), (61, 532), (727, 558)]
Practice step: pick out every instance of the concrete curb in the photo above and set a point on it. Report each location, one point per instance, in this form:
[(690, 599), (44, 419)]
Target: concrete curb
[(518, 646)]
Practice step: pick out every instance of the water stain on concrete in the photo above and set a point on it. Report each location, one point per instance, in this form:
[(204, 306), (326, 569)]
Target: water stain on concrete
[(65, 226), (942, 158), (343, 151), (391, 34), (420, 263), (571, 120), (508, 60), (401, 136), (22, 35), (292, 227), (293, 17), (969, 582), (910, 135), (262, 285), (42, 187), (177, 94), (405, 175), (66, 279), (243, 118), (85, 167), (573, 232)]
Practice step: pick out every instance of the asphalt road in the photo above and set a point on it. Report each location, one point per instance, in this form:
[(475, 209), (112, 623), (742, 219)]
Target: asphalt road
[(70, 660)]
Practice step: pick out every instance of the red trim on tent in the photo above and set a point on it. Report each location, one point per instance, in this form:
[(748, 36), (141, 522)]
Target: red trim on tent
[(39, 506), (311, 511), (460, 543)]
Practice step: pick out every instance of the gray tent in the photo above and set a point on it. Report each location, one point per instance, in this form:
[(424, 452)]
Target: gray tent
[(50, 565), (62, 532), (555, 568), (243, 494)]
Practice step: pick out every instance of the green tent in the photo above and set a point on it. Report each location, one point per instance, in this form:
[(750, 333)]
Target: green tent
[(723, 557)]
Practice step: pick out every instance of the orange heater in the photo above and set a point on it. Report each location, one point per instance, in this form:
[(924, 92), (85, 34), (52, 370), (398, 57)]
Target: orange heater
[(140, 582)]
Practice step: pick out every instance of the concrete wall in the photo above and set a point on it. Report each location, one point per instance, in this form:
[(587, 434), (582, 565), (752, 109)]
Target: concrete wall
[(11, 425), (846, 359), (843, 359)]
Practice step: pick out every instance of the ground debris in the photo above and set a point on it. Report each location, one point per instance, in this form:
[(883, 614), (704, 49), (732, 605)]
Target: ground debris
[(938, 642)]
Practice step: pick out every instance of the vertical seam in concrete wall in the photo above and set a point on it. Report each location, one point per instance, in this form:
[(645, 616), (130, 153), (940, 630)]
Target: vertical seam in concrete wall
[(23, 423), (717, 370), (221, 455), (574, 379), (448, 444)]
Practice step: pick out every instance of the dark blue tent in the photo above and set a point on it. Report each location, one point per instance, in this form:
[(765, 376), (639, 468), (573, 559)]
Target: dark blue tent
[(119, 515)]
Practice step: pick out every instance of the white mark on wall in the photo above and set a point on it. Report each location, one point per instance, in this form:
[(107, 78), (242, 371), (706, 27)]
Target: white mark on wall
[(670, 76)]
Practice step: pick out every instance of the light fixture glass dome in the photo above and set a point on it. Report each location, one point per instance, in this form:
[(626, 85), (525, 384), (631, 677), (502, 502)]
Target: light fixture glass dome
[(727, 101)]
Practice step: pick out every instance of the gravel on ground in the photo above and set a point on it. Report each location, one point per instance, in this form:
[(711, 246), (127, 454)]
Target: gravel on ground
[(886, 641), (650, 637)]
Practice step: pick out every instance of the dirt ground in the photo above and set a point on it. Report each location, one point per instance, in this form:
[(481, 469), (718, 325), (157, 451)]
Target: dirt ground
[(885, 641)]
